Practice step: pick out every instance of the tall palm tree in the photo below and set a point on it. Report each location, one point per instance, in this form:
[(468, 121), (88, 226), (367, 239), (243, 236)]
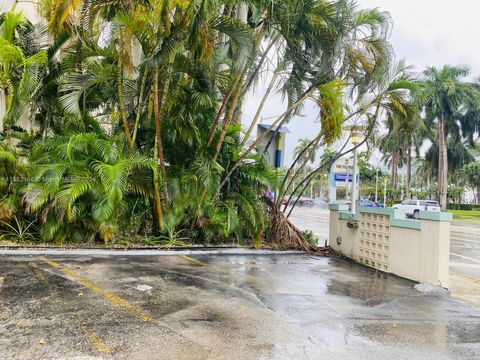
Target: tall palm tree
[(472, 175), (393, 155), (446, 96), (306, 156)]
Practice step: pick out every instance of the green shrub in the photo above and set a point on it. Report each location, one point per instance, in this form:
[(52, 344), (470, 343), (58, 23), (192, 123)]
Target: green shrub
[(468, 207), (310, 238)]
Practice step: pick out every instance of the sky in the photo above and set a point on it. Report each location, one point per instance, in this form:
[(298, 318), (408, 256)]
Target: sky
[(425, 33)]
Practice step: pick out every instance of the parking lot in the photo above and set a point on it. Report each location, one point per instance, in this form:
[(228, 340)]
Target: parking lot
[(92, 306)]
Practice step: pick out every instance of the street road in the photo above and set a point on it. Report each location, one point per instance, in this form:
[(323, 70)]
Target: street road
[(465, 248)]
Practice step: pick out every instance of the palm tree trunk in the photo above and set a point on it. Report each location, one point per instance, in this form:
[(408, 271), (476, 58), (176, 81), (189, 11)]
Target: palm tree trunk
[(394, 171), (139, 107), (121, 105), (226, 122), (46, 123), (222, 109), (156, 189), (260, 107), (158, 132), (409, 171), (478, 194), (442, 163)]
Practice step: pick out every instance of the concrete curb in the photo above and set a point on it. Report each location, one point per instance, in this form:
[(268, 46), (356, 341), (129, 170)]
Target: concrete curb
[(120, 252)]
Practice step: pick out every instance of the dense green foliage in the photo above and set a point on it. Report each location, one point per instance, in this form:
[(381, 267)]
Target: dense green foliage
[(136, 109)]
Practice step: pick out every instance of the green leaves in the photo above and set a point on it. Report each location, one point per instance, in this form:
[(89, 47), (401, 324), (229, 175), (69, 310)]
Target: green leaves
[(83, 180), (330, 102), (240, 34)]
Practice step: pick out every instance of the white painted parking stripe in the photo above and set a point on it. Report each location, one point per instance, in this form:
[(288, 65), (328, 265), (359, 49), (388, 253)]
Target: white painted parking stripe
[(466, 257)]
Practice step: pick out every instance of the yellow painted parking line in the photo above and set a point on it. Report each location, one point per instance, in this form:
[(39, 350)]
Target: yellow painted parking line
[(98, 290), (191, 259), (43, 280), (97, 342), (221, 268), (467, 278), (95, 339)]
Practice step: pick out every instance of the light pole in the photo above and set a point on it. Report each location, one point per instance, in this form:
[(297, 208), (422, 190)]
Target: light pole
[(385, 193), (355, 142), (355, 137)]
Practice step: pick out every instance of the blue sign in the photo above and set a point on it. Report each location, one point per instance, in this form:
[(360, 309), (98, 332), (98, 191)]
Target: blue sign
[(343, 177)]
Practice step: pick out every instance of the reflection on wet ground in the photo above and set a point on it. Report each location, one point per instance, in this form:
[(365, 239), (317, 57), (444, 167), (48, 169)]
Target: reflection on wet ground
[(224, 307), (464, 250)]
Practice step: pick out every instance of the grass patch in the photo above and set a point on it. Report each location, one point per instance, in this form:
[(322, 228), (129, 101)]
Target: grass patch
[(466, 214)]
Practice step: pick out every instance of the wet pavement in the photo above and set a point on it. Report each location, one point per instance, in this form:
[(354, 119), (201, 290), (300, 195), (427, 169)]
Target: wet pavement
[(223, 307), (312, 219), (464, 250)]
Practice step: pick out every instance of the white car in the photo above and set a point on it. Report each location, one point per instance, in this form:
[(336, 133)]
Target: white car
[(412, 208)]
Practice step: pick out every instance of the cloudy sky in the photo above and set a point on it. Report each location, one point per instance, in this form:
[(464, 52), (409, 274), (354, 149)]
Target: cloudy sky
[(425, 33)]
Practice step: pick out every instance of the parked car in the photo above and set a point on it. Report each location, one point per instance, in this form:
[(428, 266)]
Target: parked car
[(412, 208), (292, 200), (303, 201), (320, 203), (368, 203)]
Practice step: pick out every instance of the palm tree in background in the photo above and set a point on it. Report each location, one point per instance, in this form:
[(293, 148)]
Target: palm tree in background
[(305, 155), (448, 98), (401, 118)]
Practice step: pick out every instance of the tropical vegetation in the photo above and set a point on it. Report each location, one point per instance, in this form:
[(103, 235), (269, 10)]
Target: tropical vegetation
[(124, 118)]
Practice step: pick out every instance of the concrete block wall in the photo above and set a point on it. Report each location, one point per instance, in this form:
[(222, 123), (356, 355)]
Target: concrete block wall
[(384, 240)]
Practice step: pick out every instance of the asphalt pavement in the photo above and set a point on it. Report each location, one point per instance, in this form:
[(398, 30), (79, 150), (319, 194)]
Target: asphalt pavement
[(210, 306)]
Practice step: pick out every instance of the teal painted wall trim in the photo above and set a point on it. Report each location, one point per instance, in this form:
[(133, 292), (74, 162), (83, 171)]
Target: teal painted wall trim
[(406, 223), (436, 216), (396, 216), (348, 216), (338, 207)]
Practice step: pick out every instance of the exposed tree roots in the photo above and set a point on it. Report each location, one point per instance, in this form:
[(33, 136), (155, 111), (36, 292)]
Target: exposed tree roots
[(283, 234)]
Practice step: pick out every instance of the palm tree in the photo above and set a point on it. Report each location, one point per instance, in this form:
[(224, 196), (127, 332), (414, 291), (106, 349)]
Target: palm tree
[(445, 97), (155, 88), (301, 145), (81, 184), (305, 154), (472, 175), (392, 148), (22, 65)]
